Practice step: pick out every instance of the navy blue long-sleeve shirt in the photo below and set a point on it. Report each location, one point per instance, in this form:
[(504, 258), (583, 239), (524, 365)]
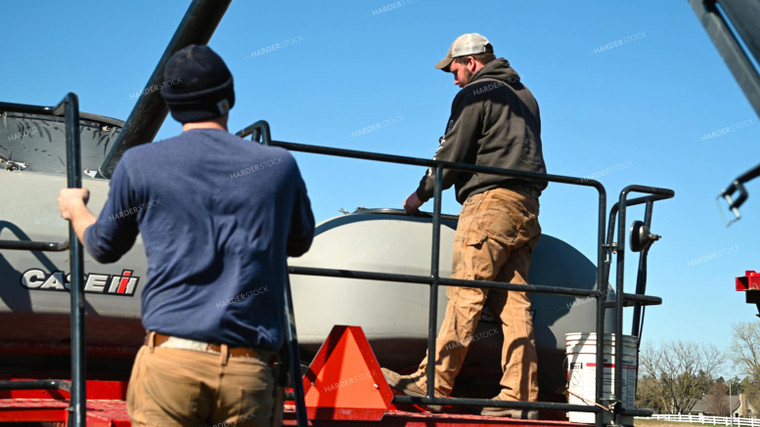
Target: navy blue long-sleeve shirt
[(218, 217)]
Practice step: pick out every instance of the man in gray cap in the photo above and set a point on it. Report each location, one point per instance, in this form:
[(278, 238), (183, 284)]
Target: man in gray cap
[(494, 122), (218, 216)]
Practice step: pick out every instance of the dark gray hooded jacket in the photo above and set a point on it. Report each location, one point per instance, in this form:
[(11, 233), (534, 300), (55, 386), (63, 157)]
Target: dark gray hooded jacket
[(494, 122)]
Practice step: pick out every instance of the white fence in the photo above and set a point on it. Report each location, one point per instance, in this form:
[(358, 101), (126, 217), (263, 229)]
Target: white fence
[(704, 419)]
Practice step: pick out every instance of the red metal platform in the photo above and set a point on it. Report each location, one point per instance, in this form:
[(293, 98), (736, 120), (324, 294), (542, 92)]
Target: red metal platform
[(105, 405), (111, 411), (397, 418), (100, 413), (343, 387)]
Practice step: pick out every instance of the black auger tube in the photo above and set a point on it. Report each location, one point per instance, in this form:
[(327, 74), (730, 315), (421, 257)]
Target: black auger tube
[(146, 118)]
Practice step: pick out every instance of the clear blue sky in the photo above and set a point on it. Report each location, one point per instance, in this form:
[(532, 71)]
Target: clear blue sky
[(632, 114)]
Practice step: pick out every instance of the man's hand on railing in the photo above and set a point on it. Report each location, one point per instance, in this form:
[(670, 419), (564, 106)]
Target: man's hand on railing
[(412, 204), (72, 204)]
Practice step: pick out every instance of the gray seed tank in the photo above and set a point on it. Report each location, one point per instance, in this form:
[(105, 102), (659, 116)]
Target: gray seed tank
[(394, 316)]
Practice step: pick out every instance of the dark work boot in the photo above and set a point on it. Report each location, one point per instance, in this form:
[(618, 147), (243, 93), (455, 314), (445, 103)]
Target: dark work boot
[(406, 385)]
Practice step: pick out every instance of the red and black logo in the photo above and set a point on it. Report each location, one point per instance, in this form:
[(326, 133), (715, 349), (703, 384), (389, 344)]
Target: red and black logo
[(94, 283)]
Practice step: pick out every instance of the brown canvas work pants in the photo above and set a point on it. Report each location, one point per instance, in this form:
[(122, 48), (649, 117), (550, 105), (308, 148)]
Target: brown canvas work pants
[(495, 236), (179, 387)]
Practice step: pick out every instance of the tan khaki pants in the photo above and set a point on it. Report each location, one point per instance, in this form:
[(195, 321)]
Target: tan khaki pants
[(177, 387), (496, 234)]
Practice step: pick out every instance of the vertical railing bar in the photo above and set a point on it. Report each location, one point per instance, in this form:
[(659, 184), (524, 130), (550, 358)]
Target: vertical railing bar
[(610, 241), (291, 336), (648, 213), (77, 404), (619, 290), (601, 281), (637, 308), (434, 275)]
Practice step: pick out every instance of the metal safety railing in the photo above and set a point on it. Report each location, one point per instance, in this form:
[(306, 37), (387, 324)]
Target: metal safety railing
[(69, 109), (261, 133), (622, 299)]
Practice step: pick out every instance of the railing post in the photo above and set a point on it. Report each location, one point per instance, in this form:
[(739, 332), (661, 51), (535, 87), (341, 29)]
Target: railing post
[(601, 284), (434, 274), (77, 404), (617, 385)]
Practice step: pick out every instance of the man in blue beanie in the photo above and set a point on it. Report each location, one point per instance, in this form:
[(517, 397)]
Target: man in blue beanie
[(218, 216)]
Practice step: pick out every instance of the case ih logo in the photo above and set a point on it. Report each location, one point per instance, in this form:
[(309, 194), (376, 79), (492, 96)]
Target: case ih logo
[(95, 283)]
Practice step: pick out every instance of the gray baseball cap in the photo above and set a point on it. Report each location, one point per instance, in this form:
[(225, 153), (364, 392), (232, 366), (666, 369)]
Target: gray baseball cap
[(466, 44)]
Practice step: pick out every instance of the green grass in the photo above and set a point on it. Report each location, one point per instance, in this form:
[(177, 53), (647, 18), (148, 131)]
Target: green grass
[(660, 423)]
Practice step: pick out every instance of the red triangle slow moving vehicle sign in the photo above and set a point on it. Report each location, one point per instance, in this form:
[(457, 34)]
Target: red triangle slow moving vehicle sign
[(344, 382)]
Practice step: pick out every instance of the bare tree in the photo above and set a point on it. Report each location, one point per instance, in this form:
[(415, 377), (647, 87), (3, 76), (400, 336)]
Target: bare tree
[(745, 353), (649, 395), (745, 348), (682, 373), (717, 400), (751, 391)]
